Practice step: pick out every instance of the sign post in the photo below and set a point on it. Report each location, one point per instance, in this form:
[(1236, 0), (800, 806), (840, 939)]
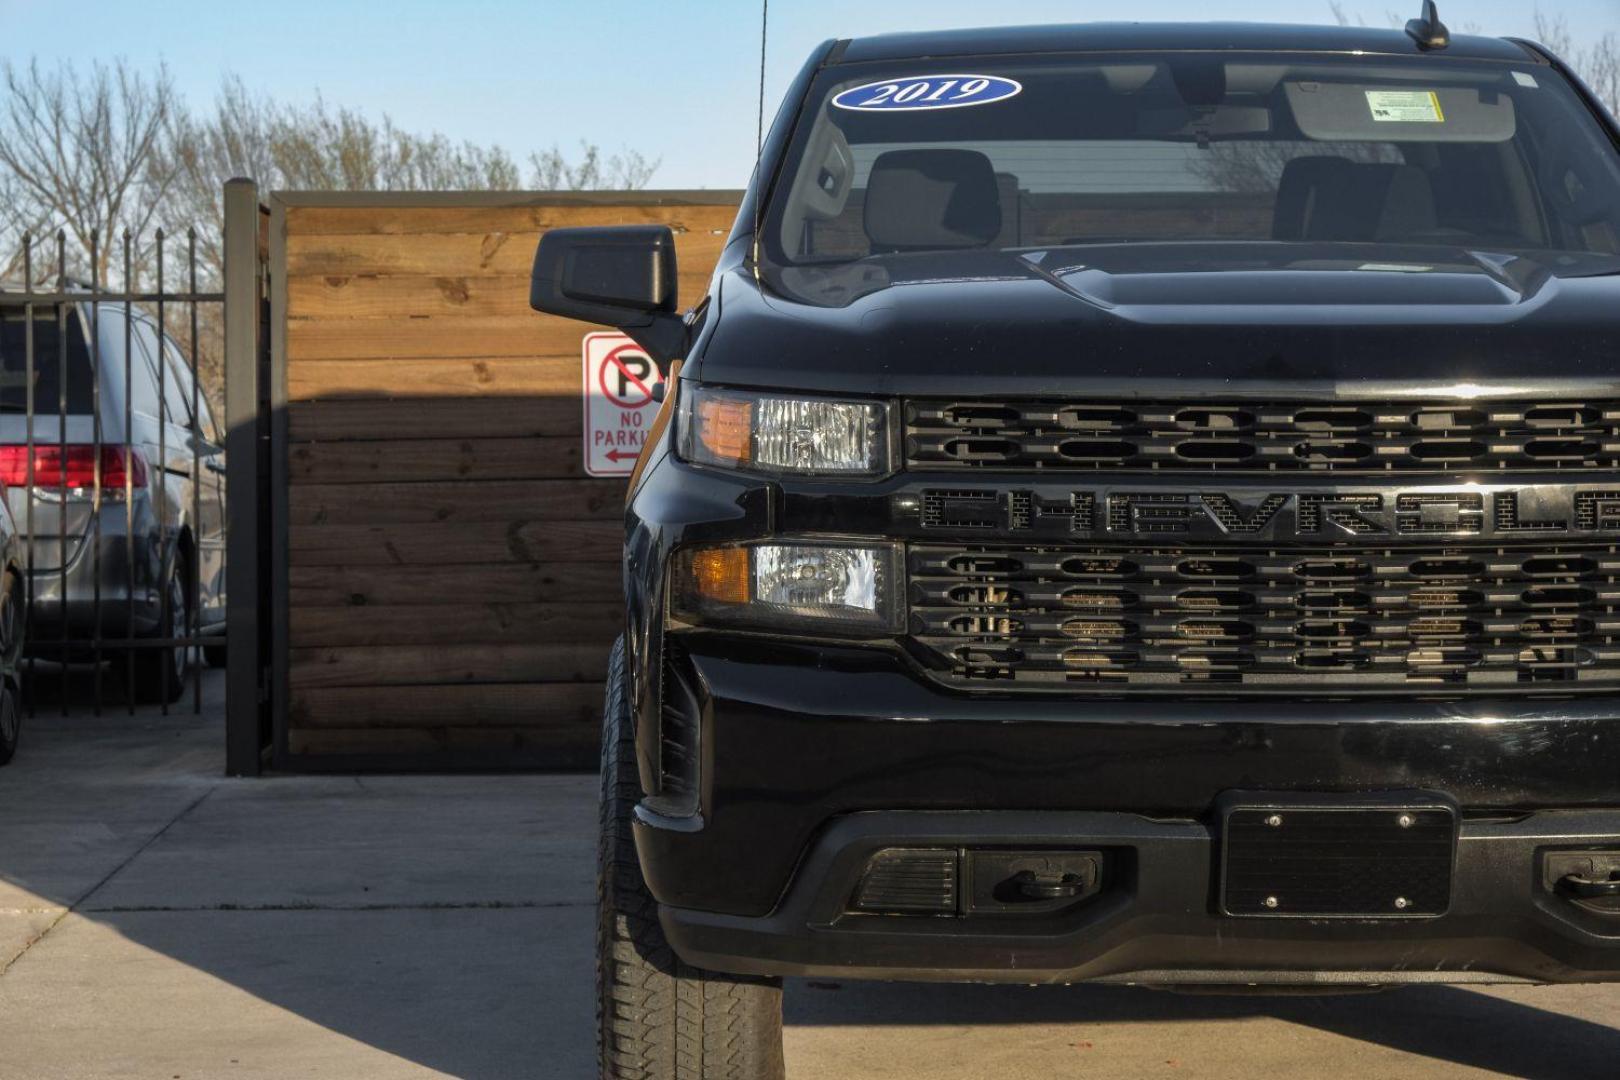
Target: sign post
[(619, 381)]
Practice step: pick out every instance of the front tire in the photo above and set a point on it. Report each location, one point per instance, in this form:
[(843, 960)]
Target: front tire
[(657, 1017)]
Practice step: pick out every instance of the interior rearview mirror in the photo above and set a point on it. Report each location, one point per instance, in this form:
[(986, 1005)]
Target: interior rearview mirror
[(621, 276)]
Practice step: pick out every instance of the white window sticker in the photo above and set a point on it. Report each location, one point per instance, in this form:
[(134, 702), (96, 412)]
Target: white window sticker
[(1524, 78), (1394, 268), (1405, 106)]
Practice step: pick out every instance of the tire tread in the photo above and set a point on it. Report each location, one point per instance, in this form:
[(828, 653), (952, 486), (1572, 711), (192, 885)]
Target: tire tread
[(659, 1018)]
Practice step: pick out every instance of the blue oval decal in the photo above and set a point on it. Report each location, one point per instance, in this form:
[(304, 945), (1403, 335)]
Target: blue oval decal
[(928, 92)]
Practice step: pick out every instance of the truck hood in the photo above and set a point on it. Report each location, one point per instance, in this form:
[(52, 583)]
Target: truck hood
[(1176, 320)]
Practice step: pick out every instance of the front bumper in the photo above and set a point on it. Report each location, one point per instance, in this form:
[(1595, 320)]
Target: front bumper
[(1155, 922), (814, 756)]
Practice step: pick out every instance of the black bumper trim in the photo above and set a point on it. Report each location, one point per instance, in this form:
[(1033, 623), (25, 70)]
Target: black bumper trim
[(1156, 922)]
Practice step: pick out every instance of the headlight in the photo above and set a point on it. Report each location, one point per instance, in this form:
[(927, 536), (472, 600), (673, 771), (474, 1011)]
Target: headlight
[(767, 433), (837, 586)]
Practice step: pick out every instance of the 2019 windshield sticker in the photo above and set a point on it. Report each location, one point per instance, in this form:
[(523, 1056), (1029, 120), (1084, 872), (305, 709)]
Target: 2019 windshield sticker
[(917, 93)]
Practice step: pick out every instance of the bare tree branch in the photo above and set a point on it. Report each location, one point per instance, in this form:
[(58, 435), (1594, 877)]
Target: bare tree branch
[(1598, 63), (80, 153), (108, 153), (627, 170)]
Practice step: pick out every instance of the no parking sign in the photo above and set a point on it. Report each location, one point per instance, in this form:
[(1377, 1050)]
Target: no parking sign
[(619, 380)]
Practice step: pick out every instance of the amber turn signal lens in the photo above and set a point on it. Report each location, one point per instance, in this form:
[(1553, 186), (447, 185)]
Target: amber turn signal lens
[(720, 575), (725, 428)]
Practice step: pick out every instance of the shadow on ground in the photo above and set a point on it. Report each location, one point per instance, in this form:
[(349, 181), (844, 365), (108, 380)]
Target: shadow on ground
[(1448, 1026), (156, 919)]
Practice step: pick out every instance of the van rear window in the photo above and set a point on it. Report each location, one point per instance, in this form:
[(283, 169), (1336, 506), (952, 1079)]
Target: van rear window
[(48, 347)]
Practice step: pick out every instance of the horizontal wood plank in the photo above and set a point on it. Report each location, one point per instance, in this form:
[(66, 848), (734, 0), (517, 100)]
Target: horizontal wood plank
[(403, 378), (540, 707), (417, 220), (444, 417), (426, 665), (526, 336), (386, 586), (463, 254), (455, 501), (516, 541), (573, 747), (447, 294), (465, 624), (435, 459)]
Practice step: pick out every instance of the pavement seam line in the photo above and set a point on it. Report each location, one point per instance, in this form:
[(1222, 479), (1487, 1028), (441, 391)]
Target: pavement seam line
[(98, 886)]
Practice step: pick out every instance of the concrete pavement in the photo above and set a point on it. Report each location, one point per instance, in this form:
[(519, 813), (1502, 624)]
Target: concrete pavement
[(158, 921)]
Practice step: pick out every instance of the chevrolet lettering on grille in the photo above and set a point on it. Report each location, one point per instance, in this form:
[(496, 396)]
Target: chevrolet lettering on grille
[(1367, 512)]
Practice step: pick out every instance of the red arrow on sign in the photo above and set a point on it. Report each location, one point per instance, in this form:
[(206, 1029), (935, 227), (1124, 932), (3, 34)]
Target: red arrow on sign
[(620, 455)]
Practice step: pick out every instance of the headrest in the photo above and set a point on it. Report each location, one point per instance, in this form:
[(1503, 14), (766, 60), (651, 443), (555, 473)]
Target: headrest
[(1334, 198), (920, 199)]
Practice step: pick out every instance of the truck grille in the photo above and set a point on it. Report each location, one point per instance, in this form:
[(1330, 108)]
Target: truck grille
[(1263, 437), (1302, 619)]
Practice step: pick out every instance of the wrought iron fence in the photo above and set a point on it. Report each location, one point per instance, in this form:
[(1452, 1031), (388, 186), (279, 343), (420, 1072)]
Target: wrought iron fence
[(114, 465)]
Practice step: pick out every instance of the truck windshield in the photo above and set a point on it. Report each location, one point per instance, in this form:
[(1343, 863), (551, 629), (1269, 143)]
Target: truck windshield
[(1048, 152)]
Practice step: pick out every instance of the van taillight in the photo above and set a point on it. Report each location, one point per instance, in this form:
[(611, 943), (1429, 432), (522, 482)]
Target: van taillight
[(74, 466)]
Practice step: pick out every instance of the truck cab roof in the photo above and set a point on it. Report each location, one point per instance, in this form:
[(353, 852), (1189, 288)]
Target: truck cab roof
[(1168, 37)]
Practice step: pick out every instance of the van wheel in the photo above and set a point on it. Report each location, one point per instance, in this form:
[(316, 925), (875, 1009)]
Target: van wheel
[(10, 721), (160, 672), (657, 1017), (11, 625)]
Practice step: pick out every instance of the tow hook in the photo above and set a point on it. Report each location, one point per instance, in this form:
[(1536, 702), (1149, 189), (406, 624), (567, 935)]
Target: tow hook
[(1588, 879), (1585, 888), (1030, 883), (1039, 886)]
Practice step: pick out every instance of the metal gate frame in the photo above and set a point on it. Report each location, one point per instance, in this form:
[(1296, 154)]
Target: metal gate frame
[(250, 415)]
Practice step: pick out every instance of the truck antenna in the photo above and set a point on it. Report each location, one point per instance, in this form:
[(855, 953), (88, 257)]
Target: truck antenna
[(759, 131), (1428, 31)]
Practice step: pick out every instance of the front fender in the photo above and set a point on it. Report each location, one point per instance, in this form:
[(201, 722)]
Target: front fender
[(676, 504)]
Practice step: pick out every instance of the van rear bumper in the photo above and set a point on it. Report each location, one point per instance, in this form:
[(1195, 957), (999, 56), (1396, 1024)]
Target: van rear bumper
[(96, 592), (1155, 918)]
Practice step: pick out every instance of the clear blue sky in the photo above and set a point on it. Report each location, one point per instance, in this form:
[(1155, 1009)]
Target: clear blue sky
[(675, 79)]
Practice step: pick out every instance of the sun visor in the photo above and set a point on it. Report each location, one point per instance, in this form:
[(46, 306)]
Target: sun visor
[(1347, 112)]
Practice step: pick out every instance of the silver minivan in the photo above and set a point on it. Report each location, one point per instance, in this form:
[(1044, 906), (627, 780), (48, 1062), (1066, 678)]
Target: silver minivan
[(122, 500)]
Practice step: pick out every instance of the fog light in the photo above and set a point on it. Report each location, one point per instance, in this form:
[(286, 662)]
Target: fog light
[(908, 881)]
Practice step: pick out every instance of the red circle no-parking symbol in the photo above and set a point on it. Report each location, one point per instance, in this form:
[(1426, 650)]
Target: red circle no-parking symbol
[(626, 377)]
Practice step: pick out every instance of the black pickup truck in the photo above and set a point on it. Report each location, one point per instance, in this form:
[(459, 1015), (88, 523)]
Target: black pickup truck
[(1137, 503)]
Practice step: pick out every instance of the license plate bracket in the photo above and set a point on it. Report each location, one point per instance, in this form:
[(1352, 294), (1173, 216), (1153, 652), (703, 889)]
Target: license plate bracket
[(1303, 859)]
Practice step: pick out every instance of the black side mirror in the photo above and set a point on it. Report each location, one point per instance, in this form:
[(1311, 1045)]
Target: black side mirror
[(621, 276)]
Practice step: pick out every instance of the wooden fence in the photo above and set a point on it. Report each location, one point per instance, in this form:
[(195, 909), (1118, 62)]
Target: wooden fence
[(452, 577)]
